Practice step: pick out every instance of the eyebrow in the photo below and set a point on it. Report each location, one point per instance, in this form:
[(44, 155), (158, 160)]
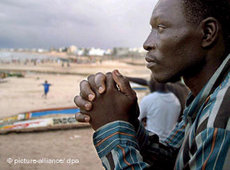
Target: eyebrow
[(158, 17), (154, 19)]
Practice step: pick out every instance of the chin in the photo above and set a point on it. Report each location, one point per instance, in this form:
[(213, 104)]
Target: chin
[(166, 78), (159, 79)]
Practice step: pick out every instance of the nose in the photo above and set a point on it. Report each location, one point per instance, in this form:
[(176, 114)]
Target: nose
[(149, 43)]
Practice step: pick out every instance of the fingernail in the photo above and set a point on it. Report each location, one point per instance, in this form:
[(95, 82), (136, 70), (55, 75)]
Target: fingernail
[(87, 106), (101, 90), (91, 97)]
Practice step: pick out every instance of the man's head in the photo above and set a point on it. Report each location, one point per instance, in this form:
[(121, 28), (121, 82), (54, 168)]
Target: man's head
[(197, 10), (184, 34)]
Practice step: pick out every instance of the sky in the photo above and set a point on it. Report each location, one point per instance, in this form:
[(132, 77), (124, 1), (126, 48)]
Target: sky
[(84, 23)]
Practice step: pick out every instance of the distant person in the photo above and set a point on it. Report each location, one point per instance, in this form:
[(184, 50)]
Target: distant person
[(46, 86), (160, 109), (180, 90)]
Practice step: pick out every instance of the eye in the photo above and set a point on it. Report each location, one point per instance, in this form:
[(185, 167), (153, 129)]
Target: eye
[(160, 28)]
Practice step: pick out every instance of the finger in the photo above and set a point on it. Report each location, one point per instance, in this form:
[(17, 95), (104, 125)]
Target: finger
[(85, 91), (82, 117), (82, 103), (100, 81), (123, 84), (110, 83), (91, 80)]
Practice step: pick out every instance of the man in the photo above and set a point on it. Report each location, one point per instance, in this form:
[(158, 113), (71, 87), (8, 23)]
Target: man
[(177, 88), (46, 86), (160, 109), (189, 38)]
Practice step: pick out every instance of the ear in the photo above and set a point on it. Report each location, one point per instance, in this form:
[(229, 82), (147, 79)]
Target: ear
[(210, 31)]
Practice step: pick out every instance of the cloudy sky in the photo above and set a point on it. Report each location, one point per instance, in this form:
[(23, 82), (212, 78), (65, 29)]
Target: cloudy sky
[(84, 23)]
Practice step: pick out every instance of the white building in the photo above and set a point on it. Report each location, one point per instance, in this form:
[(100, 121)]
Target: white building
[(72, 49), (96, 51)]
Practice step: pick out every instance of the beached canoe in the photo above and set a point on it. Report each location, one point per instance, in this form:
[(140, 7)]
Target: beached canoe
[(40, 120)]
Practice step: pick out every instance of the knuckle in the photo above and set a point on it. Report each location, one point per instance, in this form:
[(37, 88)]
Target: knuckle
[(84, 112), (99, 79), (82, 94), (91, 81), (99, 74), (90, 77), (83, 82), (80, 102), (108, 74), (76, 99), (79, 118)]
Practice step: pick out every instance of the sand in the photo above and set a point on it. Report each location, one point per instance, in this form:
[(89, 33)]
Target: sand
[(75, 145), (24, 94)]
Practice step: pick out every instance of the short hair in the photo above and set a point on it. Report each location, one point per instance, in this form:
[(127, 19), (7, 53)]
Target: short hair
[(197, 10)]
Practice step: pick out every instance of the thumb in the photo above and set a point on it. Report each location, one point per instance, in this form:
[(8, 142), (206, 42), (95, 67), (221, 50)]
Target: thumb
[(123, 84)]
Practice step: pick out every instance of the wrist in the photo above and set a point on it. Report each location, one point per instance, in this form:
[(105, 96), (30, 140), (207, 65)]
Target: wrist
[(112, 134)]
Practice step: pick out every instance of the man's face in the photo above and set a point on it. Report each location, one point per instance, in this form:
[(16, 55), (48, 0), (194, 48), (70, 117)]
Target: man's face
[(174, 45)]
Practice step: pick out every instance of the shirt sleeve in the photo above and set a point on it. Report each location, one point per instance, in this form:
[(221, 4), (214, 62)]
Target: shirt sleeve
[(158, 154), (119, 146)]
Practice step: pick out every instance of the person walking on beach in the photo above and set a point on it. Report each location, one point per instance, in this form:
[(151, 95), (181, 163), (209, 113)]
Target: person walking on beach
[(46, 86)]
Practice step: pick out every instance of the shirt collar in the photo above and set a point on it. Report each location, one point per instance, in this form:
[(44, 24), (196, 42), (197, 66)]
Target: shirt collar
[(195, 104)]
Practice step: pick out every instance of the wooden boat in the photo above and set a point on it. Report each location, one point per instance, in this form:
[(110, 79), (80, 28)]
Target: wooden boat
[(41, 120)]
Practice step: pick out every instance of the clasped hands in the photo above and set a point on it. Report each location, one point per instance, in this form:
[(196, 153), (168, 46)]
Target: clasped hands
[(105, 98)]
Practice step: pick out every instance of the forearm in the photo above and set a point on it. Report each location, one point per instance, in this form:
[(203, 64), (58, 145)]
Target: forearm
[(119, 147), (156, 154)]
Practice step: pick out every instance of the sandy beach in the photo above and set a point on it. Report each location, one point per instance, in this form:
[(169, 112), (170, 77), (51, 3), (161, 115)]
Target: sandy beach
[(19, 95)]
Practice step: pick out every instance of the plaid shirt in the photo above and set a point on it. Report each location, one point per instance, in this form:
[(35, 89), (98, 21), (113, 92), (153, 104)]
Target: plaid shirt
[(200, 141)]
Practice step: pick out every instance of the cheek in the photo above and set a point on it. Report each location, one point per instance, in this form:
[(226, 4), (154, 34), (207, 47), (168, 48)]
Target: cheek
[(168, 54), (175, 51), (171, 57), (166, 46)]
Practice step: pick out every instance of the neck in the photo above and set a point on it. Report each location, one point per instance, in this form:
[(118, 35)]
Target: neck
[(162, 91), (198, 80)]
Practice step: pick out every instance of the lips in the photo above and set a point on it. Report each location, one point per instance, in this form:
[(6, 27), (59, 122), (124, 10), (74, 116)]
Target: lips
[(149, 59), (151, 62)]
